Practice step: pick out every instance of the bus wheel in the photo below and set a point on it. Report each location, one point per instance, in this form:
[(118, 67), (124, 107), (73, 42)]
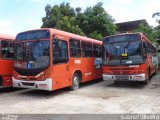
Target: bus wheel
[(75, 81)]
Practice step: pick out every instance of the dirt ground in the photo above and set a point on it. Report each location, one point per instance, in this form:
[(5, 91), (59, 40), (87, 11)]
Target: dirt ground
[(96, 97)]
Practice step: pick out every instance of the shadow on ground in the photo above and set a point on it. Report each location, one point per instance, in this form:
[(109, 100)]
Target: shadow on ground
[(9, 90), (131, 84)]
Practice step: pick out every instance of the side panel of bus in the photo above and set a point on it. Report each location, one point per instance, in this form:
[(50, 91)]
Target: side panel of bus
[(6, 72), (64, 69), (60, 67), (152, 58), (6, 63), (87, 68)]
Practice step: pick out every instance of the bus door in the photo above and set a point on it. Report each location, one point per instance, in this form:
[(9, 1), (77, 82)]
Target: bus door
[(60, 70)]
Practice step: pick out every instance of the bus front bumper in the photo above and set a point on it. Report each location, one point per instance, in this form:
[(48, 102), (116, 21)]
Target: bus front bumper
[(137, 77), (41, 85)]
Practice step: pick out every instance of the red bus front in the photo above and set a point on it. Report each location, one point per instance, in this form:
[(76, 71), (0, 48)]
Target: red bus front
[(32, 60), (126, 57)]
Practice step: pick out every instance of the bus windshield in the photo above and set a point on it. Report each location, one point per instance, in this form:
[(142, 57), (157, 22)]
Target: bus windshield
[(123, 53), (33, 35), (32, 55)]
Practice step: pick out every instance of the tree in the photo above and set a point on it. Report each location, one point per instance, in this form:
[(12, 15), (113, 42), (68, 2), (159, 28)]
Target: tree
[(61, 17), (148, 31), (156, 14), (157, 28), (93, 22), (96, 22)]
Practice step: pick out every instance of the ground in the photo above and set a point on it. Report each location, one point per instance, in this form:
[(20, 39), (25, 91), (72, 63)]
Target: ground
[(98, 97)]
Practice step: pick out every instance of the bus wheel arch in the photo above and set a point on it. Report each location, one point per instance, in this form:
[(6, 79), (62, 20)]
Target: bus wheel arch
[(76, 80)]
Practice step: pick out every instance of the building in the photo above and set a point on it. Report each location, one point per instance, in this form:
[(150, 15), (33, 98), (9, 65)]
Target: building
[(130, 26)]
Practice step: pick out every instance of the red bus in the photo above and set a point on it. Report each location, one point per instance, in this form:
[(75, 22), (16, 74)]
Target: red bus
[(128, 57), (6, 59), (50, 59)]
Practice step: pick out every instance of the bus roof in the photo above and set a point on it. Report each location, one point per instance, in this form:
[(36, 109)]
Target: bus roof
[(9, 37), (67, 34), (122, 34)]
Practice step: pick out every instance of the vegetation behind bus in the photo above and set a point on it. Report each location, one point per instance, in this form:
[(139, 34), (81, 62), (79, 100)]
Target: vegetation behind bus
[(148, 31), (93, 22)]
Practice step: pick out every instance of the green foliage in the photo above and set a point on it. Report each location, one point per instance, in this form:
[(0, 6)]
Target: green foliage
[(61, 17), (157, 28), (94, 22), (158, 15), (148, 31)]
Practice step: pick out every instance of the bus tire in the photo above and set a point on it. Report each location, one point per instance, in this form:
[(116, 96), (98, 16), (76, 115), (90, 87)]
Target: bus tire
[(75, 81)]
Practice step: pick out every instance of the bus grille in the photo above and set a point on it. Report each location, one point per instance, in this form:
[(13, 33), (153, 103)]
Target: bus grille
[(28, 84), (121, 71), (29, 72)]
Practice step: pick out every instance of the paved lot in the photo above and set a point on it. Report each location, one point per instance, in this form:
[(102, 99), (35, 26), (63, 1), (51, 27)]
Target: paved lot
[(94, 97)]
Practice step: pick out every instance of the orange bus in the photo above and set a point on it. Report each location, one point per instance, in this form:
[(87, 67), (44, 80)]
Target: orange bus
[(51, 59), (128, 57), (6, 59)]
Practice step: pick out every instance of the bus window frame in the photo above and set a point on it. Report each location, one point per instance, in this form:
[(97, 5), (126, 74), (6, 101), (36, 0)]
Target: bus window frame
[(86, 44), (80, 48), (97, 46), (9, 41), (144, 49), (68, 56)]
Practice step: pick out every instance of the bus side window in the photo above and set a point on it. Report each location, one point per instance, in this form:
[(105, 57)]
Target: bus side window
[(148, 49), (144, 49), (60, 51), (87, 49), (96, 50), (75, 49), (7, 49)]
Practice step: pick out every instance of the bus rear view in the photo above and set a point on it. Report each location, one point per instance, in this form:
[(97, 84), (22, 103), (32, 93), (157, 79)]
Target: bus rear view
[(128, 57)]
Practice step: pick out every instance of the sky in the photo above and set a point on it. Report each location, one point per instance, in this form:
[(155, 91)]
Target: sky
[(21, 15)]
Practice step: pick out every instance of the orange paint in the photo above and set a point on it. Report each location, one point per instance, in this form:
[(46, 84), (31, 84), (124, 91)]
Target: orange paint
[(61, 74)]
